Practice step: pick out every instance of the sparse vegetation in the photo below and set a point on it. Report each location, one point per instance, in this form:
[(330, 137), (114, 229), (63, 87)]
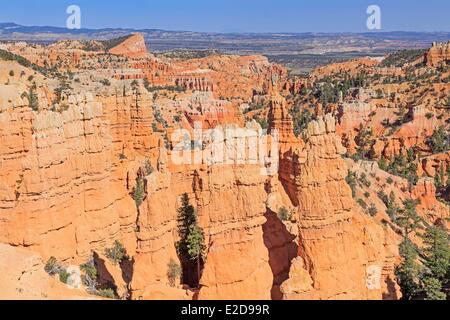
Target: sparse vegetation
[(301, 119), (138, 192), (8, 56), (177, 89), (424, 272), (405, 167), (440, 140), (148, 168), (364, 141), (284, 214), (111, 43), (53, 267), (117, 253), (391, 206), (89, 276), (402, 57), (105, 82), (33, 101), (64, 276), (174, 272), (107, 293), (362, 204), (262, 122), (351, 180), (407, 217), (373, 211)]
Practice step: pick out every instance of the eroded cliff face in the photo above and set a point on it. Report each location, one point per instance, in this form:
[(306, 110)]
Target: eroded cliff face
[(231, 205), (66, 184), (346, 254), (438, 54), (24, 278), (100, 144), (69, 169), (55, 168)]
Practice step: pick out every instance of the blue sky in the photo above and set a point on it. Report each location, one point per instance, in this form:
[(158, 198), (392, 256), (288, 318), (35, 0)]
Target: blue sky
[(235, 15)]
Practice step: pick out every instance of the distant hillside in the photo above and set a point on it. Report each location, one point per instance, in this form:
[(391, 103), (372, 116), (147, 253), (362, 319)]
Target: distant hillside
[(299, 51)]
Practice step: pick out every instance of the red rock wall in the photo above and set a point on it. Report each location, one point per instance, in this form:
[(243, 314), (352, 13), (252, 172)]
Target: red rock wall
[(337, 243), (55, 168)]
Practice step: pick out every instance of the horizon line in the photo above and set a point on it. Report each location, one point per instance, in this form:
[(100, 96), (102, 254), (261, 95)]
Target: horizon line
[(221, 32)]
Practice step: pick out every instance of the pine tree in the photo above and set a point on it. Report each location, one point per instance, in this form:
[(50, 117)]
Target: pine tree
[(440, 140), (138, 194), (196, 245), (364, 141), (432, 288), (33, 101), (408, 271), (408, 218), (382, 163), (437, 252), (191, 246), (391, 207), (186, 218), (439, 178), (448, 176)]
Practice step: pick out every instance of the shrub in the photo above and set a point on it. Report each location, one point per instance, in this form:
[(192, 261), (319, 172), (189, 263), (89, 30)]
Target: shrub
[(363, 204), (440, 140), (301, 119), (89, 269), (138, 193), (389, 180), (173, 272), (64, 276), (405, 167), (364, 141), (122, 156), (33, 101), (148, 167), (382, 163), (53, 267), (351, 181), (107, 293), (364, 181), (117, 253), (11, 73), (263, 123), (373, 210), (105, 82), (284, 214), (433, 289)]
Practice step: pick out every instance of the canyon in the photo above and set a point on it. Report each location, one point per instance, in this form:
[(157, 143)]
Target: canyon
[(84, 123)]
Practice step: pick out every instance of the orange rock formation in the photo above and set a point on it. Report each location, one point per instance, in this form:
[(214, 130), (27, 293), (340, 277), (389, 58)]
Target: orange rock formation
[(133, 47)]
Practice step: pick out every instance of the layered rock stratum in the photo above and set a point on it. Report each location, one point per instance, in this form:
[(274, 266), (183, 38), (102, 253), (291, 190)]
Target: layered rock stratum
[(81, 126)]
